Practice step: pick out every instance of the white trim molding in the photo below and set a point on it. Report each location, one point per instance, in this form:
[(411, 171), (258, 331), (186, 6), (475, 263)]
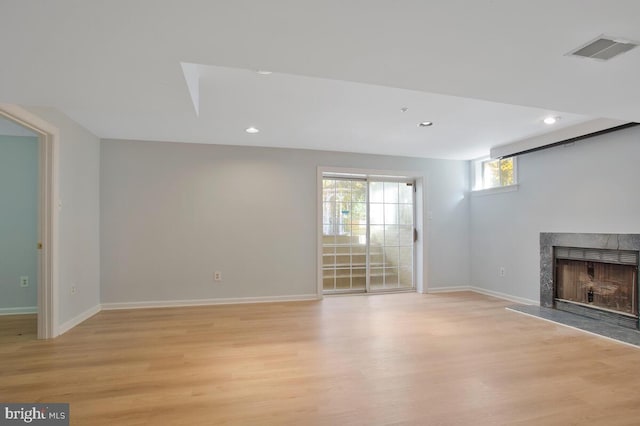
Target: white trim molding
[(485, 292), (505, 296), (496, 190), (19, 311), (207, 302), (49, 140), (63, 328), (436, 290)]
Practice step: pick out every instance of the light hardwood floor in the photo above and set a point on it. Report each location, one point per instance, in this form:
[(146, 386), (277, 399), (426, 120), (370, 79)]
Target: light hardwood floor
[(441, 359)]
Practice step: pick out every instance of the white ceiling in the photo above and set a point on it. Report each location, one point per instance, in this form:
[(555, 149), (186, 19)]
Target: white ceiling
[(484, 71)]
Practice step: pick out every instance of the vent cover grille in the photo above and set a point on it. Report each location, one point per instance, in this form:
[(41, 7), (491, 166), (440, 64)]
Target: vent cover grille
[(621, 257), (604, 48)]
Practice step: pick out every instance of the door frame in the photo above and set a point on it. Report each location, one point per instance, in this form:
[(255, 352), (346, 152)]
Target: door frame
[(48, 142), (420, 255)]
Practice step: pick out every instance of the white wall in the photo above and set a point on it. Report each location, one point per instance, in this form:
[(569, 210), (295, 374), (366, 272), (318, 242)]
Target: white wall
[(79, 217), (590, 186), (18, 222), (174, 213)]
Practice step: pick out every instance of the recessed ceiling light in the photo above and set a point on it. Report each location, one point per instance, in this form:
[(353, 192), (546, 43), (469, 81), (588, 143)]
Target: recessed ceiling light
[(425, 124), (263, 72), (550, 120), (251, 130)]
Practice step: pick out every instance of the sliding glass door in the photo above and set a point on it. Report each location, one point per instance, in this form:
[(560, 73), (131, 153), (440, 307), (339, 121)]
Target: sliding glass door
[(367, 235)]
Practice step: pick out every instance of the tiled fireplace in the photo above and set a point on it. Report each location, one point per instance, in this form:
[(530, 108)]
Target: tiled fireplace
[(593, 275)]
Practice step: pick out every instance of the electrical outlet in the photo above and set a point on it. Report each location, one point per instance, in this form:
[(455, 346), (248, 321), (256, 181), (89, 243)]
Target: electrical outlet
[(24, 281), (74, 289), (502, 271), (217, 276)]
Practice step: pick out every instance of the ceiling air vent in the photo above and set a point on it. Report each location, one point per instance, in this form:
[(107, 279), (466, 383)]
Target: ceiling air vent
[(604, 48)]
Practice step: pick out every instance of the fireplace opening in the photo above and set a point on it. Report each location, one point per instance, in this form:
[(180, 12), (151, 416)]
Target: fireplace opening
[(600, 285), (597, 282)]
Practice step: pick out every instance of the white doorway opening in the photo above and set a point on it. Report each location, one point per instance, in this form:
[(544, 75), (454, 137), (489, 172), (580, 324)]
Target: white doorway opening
[(48, 137)]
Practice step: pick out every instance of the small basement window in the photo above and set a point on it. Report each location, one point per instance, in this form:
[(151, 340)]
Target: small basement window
[(498, 173)]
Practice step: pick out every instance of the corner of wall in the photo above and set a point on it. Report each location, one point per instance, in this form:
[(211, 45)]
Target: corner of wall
[(78, 203), (78, 319)]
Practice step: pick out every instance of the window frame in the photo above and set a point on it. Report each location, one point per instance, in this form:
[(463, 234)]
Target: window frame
[(477, 177)]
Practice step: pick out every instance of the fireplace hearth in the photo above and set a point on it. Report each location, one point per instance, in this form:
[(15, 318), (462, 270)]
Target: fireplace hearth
[(592, 275)]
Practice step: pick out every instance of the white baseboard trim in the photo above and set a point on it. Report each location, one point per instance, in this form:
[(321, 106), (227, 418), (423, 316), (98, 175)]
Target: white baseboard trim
[(207, 302), (63, 328), (486, 292), (448, 289), (505, 296), (19, 311)]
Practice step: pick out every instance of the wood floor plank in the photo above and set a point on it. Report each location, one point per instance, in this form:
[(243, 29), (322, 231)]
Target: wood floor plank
[(441, 359)]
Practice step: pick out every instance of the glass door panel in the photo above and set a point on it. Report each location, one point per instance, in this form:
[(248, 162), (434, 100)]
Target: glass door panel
[(391, 242), (406, 231), (344, 235)]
